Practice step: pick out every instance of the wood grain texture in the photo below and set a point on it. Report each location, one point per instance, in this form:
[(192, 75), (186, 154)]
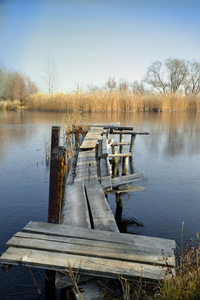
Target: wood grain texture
[(115, 237), (116, 251), (127, 179), (85, 265), (91, 138), (102, 215), (75, 211)]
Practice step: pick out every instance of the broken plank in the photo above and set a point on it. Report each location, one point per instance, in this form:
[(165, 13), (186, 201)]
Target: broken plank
[(127, 179), (75, 211), (120, 143), (128, 132), (101, 213), (120, 154), (129, 189)]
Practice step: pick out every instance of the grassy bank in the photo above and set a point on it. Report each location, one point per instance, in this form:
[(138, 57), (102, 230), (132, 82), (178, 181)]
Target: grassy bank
[(112, 101)]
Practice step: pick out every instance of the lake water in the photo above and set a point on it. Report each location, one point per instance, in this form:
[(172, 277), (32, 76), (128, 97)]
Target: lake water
[(169, 156)]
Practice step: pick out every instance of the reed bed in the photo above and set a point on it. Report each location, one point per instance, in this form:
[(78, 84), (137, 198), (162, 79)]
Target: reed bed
[(9, 105), (107, 101)]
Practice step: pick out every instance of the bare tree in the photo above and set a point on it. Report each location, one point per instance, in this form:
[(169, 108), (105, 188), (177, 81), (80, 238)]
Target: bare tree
[(111, 83), (31, 86), (177, 73), (192, 84), (138, 87), (123, 85), (154, 77), (51, 77)]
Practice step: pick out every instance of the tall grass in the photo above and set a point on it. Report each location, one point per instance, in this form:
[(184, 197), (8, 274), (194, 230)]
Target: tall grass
[(9, 105), (106, 101)]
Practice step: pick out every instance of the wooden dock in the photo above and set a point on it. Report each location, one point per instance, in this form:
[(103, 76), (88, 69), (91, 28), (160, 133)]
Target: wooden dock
[(87, 237), (92, 252)]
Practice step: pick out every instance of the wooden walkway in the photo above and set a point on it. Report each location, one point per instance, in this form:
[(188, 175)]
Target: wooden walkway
[(102, 253), (88, 237)]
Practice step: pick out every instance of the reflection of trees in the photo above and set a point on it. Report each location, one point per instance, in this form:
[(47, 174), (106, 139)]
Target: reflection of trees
[(174, 133), (170, 133)]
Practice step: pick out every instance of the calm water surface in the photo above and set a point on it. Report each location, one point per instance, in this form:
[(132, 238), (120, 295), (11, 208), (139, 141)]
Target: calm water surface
[(169, 156)]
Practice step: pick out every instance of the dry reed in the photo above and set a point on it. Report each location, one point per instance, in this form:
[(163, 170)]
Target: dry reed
[(108, 101)]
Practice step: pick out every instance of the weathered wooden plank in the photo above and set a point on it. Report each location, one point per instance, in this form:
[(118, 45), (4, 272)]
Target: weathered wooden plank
[(105, 167), (91, 138), (106, 183), (120, 143), (128, 132), (101, 213), (100, 149), (86, 169), (133, 248), (129, 189), (120, 154), (112, 125), (83, 264), (69, 231), (104, 146), (117, 181), (108, 250), (75, 211)]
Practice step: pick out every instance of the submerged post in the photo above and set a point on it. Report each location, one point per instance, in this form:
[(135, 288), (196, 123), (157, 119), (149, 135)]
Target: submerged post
[(132, 142), (54, 205), (125, 165)]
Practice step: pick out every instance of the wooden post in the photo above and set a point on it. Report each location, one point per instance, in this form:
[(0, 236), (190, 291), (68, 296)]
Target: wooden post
[(132, 142), (119, 200), (54, 204), (121, 139), (114, 161), (125, 165), (54, 198), (131, 165)]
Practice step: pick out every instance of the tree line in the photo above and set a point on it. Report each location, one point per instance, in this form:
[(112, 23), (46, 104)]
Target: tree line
[(15, 86), (171, 76)]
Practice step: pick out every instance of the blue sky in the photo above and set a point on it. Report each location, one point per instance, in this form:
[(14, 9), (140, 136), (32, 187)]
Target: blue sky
[(93, 39)]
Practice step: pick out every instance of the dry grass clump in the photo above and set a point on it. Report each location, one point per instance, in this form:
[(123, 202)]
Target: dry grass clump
[(114, 100), (184, 286)]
